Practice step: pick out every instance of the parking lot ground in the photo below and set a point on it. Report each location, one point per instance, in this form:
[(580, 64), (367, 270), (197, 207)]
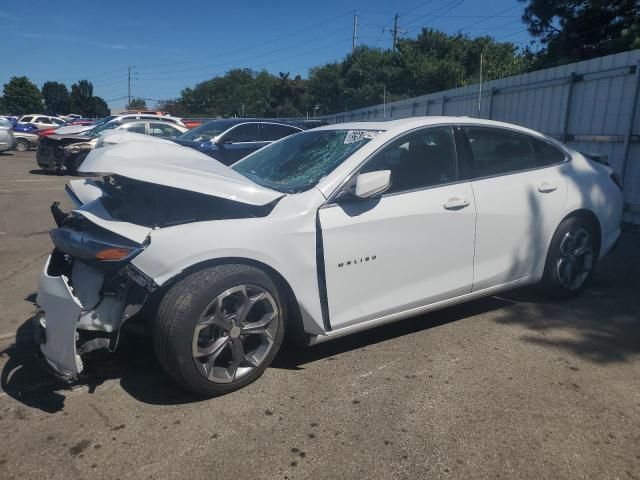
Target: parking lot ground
[(510, 387)]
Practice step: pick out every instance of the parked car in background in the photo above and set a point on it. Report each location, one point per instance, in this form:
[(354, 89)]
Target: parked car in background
[(7, 139), (24, 127), (65, 153), (230, 140), (323, 234), (43, 121), (25, 141), (79, 128)]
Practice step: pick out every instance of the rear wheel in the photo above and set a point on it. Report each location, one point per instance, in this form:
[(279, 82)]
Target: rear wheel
[(571, 258), (22, 145), (217, 330)]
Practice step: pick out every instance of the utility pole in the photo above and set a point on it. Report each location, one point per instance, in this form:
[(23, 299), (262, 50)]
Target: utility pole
[(355, 31), (129, 89), (395, 30)]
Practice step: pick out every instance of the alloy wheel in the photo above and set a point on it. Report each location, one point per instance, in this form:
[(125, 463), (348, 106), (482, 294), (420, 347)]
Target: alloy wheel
[(235, 333), (575, 260)]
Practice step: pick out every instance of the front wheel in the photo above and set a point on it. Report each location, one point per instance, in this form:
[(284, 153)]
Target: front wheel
[(571, 258), (218, 329), (22, 145)]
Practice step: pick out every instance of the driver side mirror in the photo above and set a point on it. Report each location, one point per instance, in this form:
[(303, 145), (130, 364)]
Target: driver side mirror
[(372, 183)]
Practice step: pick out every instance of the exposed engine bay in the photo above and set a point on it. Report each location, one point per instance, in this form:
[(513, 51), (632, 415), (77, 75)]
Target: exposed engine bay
[(158, 206)]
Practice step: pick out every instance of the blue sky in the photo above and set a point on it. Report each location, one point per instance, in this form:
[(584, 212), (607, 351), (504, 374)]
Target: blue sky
[(173, 45)]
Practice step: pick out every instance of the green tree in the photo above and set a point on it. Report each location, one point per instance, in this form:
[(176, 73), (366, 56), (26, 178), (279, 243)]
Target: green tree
[(572, 30), (287, 97), (100, 108), (21, 95), (173, 106), (56, 97), (137, 104), (82, 98)]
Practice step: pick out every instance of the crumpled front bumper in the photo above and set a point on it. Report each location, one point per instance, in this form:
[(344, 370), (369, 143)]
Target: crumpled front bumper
[(61, 314)]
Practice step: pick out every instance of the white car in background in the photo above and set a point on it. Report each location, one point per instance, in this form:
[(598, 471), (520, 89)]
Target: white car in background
[(322, 234), (7, 140), (75, 129), (42, 121)]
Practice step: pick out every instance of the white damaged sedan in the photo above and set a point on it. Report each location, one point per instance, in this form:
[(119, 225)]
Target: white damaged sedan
[(322, 234)]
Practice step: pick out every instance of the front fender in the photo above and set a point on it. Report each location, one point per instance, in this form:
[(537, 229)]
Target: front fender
[(286, 245)]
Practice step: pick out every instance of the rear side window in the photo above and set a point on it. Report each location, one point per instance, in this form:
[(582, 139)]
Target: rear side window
[(497, 151), (272, 132), (546, 154), (26, 119), (248, 132)]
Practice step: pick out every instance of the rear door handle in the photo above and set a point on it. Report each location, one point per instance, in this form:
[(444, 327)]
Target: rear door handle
[(546, 187), (456, 203)]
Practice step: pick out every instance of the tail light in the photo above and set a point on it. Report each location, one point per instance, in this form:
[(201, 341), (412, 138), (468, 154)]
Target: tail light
[(615, 178)]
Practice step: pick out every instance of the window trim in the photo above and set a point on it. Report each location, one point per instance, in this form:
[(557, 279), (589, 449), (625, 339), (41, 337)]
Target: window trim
[(238, 125), (466, 147), (297, 130), (331, 200)]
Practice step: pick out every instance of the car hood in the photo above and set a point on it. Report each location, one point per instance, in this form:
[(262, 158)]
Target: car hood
[(178, 167), (73, 129)]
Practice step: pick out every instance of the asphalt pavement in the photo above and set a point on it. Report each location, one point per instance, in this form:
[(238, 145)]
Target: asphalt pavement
[(516, 386)]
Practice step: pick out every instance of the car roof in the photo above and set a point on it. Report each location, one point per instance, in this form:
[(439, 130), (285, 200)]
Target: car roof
[(416, 122)]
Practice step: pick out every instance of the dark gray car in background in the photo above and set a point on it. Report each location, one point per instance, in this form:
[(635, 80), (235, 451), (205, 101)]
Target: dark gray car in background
[(229, 140)]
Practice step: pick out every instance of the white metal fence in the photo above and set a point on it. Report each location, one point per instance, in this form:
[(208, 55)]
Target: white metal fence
[(590, 105)]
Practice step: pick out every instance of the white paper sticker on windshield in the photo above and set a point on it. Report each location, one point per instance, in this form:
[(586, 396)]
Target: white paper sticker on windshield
[(354, 136)]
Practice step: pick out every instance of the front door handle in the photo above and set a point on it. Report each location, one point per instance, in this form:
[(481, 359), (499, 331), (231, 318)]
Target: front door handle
[(546, 187), (456, 203)]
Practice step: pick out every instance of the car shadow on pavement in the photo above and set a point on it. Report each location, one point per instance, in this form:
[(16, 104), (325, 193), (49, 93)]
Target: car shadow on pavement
[(39, 171), (602, 324), (26, 378), (294, 359)]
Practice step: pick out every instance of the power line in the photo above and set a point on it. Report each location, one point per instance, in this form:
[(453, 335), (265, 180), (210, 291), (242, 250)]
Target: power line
[(259, 55), (341, 41), (451, 5), (238, 50)]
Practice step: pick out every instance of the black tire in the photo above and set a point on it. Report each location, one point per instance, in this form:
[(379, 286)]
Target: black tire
[(22, 145), (552, 283), (180, 310)]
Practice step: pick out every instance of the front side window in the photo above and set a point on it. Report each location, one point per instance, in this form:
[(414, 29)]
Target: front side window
[(498, 151), (546, 154), (419, 160), (57, 121), (299, 162), (134, 127), (248, 132), (42, 120), (272, 132)]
